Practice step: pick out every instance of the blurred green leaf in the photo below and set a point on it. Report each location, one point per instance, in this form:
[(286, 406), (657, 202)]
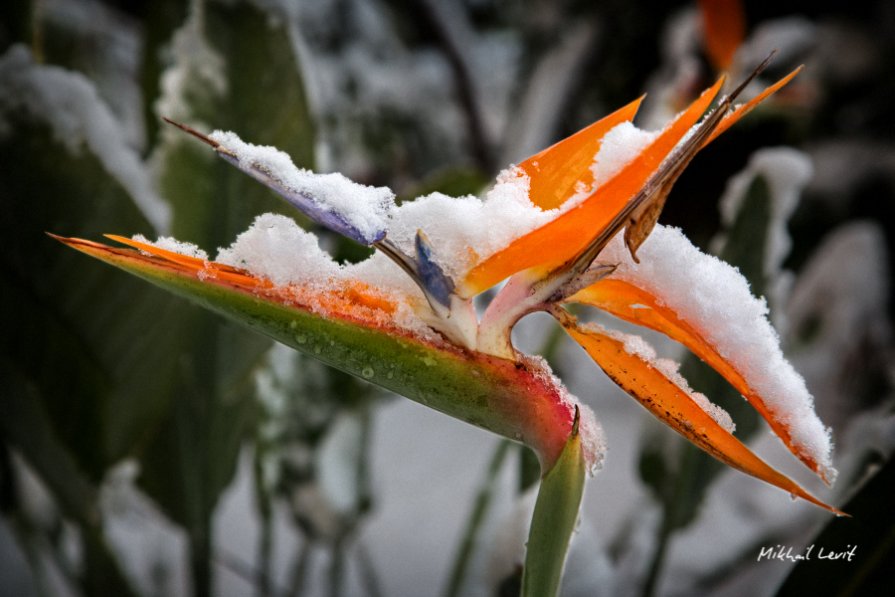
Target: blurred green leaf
[(256, 89), (78, 395), (75, 332)]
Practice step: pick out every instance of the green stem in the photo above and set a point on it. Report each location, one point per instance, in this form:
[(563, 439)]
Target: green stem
[(554, 520), (265, 542)]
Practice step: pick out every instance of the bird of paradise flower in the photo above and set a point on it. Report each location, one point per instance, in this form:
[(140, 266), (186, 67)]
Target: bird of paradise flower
[(427, 343)]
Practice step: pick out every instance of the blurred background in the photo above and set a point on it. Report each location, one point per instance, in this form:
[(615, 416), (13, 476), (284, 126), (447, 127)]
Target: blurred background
[(149, 448)]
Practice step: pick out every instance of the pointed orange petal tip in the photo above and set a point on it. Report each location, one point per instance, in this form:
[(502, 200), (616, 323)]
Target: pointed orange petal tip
[(353, 299), (185, 260), (558, 171), (673, 406), (569, 233), (738, 112)]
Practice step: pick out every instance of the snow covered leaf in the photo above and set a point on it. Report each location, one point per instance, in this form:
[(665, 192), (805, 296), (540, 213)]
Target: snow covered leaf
[(65, 163)]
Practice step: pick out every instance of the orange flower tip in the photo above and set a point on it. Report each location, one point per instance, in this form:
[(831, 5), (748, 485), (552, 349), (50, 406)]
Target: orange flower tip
[(76, 243), (558, 172)]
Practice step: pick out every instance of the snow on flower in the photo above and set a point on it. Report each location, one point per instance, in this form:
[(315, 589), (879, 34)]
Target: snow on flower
[(551, 226)]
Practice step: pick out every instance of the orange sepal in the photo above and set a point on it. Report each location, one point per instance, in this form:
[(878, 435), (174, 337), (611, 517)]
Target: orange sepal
[(568, 234), (351, 300), (640, 307), (671, 405), (556, 172), (194, 264)]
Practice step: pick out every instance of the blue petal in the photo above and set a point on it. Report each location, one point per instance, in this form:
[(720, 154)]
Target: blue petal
[(436, 282), (311, 206)]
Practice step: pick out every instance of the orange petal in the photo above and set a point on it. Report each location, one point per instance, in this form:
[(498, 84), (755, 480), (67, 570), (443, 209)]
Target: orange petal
[(194, 264), (674, 407), (352, 300), (640, 307), (723, 30), (558, 171), (744, 109), (568, 234)]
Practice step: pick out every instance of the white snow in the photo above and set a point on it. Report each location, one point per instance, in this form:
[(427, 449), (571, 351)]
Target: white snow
[(277, 248), (196, 75), (620, 145), (467, 230), (78, 117), (715, 298), (175, 246), (364, 207), (463, 231)]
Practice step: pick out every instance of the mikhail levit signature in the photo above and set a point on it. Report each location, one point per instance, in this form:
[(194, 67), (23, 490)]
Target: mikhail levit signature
[(785, 553)]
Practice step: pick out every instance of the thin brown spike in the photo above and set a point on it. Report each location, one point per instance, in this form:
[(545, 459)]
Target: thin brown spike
[(188, 129)]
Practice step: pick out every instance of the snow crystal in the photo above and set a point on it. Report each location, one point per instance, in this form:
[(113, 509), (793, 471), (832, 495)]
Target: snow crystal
[(276, 248), (621, 144), (175, 246), (364, 208), (715, 298), (381, 272), (69, 103)]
